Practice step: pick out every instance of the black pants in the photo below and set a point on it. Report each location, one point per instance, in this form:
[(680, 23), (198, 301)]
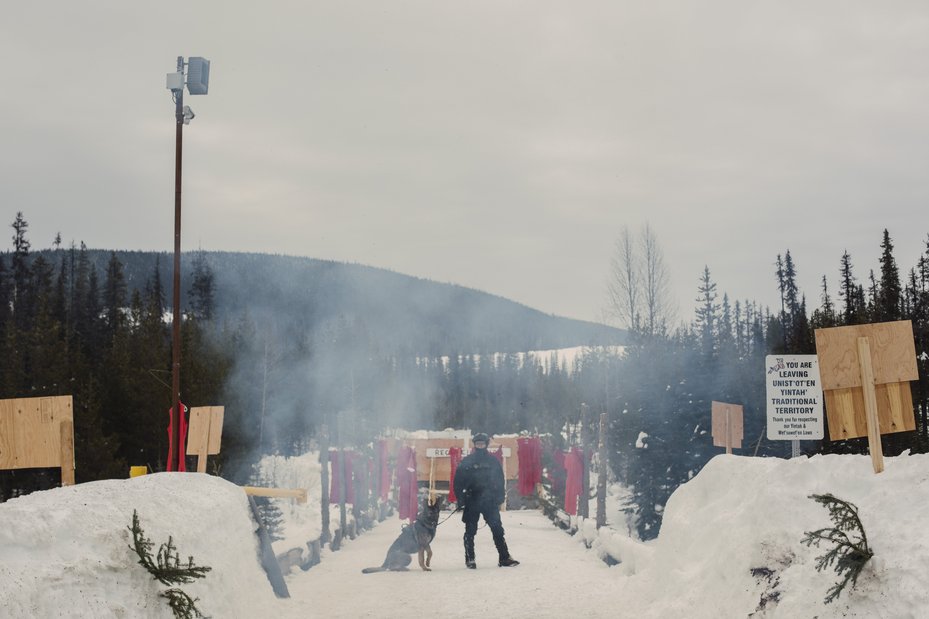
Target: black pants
[(492, 518)]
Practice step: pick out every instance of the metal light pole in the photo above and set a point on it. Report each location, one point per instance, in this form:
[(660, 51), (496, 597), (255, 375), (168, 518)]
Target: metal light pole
[(197, 84)]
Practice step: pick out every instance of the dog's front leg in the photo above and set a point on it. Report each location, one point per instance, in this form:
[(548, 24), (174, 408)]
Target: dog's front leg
[(428, 556), (424, 564)]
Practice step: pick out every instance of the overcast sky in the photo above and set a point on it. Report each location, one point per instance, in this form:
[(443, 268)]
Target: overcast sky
[(497, 145)]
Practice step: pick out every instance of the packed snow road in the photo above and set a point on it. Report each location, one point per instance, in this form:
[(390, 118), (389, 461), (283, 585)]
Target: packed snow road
[(558, 577)]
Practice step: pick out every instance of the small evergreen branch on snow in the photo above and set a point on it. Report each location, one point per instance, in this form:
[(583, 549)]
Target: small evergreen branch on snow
[(183, 605), (849, 551), (166, 568)]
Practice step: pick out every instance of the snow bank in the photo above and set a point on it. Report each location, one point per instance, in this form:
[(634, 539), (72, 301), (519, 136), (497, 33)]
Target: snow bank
[(301, 522), (742, 514), (66, 552)]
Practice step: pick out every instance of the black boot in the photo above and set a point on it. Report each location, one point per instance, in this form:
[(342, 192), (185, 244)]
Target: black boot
[(503, 552), (469, 553), (508, 562)]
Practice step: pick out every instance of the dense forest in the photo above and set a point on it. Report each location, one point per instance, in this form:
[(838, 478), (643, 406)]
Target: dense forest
[(101, 334)]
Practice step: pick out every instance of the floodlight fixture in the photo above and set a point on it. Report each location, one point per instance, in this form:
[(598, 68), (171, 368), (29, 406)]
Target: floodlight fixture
[(188, 114), (198, 75)]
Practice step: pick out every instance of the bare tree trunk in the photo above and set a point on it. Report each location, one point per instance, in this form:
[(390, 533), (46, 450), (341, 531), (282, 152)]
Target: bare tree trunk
[(624, 283), (659, 308)]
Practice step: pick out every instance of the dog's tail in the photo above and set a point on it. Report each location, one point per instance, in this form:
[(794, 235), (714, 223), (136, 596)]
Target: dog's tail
[(372, 570)]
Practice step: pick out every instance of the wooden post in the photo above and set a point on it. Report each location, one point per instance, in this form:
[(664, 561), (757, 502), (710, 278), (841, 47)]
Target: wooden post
[(601, 473), (67, 452), (870, 404), (583, 508), (204, 450), (432, 480), (324, 483), (503, 453), (728, 430)]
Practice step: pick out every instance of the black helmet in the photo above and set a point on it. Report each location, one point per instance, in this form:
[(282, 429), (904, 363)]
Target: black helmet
[(480, 437)]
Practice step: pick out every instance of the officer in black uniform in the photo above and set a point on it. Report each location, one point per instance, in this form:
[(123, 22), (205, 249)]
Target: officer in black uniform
[(481, 488)]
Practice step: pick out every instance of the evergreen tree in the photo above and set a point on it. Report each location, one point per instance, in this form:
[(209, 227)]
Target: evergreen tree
[(848, 290), (706, 313), (825, 316), (887, 305), (21, 274), (114, 297), (201, 290)]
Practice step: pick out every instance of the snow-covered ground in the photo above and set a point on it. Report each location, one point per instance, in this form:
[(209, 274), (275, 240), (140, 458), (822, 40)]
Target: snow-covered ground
[(730, 539)]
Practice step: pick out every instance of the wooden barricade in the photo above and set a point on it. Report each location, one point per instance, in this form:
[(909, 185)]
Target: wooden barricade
[(865, 372), (204, 435), (38, 433)]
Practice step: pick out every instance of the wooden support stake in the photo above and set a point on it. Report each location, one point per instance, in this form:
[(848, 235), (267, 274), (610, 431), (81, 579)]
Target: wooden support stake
[(293, 493), (432, 480), (67, 452), (728, 430), (204, 449), (870, 404)]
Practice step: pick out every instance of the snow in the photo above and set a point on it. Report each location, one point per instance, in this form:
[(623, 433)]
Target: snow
[(730, 539), (566, 357)]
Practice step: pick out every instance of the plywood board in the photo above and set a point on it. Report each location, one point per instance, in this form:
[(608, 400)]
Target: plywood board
[(893, 354), (424, 463), (30, 431), (205, 430), (719, 424), (846, 414), (443, 465)]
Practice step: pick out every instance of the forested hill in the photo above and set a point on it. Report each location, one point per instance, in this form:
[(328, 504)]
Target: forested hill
[(397, 313)]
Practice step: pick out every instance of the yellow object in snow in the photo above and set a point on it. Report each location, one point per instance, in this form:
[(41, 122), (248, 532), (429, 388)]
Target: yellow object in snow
[(135, 471)]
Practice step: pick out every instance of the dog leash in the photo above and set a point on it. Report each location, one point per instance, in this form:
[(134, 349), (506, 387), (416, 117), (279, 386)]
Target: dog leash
[(457, 509)]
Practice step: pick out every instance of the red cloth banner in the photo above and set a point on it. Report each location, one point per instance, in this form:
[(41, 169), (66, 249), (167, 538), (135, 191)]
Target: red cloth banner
[(340, 473), (406, 480), (530, 464), (574, 464), (180, 463), (454, 456), (335, 479), (383, 488), (556, 472)]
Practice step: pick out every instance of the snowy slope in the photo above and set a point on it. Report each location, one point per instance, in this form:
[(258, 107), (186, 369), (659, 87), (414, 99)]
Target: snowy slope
[(65, 552), (742, 513)]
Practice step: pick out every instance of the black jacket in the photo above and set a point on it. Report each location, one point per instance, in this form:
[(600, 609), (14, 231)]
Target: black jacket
[(479, 481)]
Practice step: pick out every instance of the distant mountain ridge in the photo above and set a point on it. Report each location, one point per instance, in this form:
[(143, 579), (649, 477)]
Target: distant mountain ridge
[(398, 313)]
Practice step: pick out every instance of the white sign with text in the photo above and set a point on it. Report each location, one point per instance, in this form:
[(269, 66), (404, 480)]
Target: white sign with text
[(795, 398), (442, 452)]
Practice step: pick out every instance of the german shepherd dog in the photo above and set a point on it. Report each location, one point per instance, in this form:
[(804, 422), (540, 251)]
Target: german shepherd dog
[(415, 537)]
